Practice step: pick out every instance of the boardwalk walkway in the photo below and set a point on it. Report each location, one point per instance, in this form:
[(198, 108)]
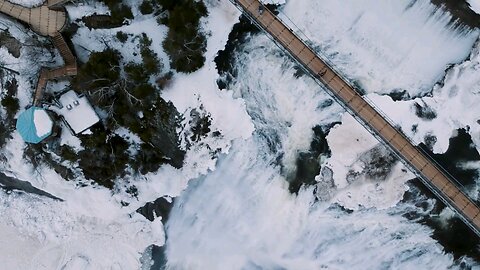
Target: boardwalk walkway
[(69, 69), (43, 20), (430, 173), (48, 19)]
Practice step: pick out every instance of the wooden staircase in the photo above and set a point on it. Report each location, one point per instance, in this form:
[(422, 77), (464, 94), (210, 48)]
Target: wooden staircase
[(69, 69), (62, 46)]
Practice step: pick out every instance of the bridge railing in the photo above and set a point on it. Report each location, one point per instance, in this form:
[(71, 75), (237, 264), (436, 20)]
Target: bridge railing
[(302, 36)]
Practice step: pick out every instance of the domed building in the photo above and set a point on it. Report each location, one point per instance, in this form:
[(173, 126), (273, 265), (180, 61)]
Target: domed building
[(34, 125)]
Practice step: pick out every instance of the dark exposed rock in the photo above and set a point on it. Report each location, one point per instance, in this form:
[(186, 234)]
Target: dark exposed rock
[(461, 11), (378, 162), (100, 21), (398, 95), (430, 141), (225, 59), (414, 128), (161, 207), (308, 163), (119, 16), (325, 104), (460, 149), (12, 44), (424, 111), (9, 183)]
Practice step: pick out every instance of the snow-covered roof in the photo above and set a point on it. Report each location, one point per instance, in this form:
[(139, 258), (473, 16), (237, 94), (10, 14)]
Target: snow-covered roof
[(43, 123), (34, 125), (77, 112)]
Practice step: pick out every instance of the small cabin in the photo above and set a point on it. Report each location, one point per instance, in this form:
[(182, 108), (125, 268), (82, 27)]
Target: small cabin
[(77, 112)]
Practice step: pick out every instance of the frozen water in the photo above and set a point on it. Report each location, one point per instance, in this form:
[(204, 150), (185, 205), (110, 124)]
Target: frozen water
[(241, 216), (412, 40), (454, 102), (475, 5)]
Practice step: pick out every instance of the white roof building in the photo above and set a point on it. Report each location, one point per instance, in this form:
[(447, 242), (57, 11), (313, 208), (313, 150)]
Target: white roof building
[(77, 112)]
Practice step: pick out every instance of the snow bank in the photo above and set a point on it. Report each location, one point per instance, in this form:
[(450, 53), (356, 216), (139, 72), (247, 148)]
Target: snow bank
[(16, 248), (348, 142), (28, 3), (89, 227), (62, 239), (454, 102)]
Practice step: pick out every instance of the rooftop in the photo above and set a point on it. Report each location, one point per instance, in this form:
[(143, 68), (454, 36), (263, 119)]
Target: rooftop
[(77, 111), (34, 125)]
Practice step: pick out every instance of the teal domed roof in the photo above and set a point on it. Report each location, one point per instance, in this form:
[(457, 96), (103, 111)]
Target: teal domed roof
[(34, 125)]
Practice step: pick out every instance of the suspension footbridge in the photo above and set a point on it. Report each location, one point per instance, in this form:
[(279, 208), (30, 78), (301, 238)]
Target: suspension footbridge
[(438, 180)]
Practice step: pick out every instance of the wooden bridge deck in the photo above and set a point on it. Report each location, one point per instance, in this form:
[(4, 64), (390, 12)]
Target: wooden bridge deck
[(43, 20), (431, 174), (69, 69), (48, 19)]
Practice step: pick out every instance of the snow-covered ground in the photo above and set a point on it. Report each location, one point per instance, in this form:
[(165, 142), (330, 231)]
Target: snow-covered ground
[(454, 101), (91, 223), (28, 3), (89, 229), (52, 235), (363, 191)]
